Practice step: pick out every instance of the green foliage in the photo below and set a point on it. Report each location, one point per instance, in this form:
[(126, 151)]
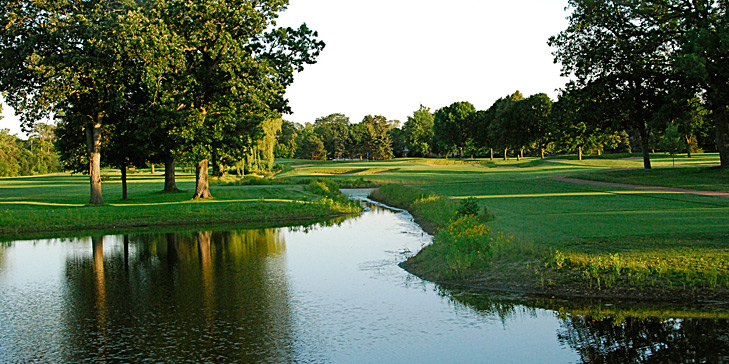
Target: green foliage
[(418, 132), (468, 207), (334, 132), (465, 247), (286, 146), (260, 157), (452, 127), (377, 141), (310, 147), (31, 157)]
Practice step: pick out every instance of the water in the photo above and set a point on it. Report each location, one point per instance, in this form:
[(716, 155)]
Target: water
[(320, 294)]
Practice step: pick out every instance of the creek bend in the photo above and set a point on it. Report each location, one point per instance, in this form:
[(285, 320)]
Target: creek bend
[(319, 294)]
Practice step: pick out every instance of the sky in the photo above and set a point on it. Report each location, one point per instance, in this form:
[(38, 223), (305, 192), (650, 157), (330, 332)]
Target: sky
[(387, 57)]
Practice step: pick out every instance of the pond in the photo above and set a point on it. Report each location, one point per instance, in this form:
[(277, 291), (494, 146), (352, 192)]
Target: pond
[(329, 293)]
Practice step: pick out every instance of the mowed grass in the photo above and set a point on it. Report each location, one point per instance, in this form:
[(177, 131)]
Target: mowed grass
[(58, 204), (602, 237)]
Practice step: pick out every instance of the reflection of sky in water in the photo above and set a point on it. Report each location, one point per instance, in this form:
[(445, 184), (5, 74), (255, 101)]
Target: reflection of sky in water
[(320, 294)]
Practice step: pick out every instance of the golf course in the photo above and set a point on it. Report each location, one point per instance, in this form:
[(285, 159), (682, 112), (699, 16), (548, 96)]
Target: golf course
[(594, 227)]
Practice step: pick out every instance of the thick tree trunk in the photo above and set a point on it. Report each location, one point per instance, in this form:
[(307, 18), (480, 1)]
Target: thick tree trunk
[(202, 188), (521, 153), (93, 146), (151, 165), (645, 145), (541, 152), (579, 153), (124, 181), (170, 184), (491, 151), (721, 123), (506, 155)]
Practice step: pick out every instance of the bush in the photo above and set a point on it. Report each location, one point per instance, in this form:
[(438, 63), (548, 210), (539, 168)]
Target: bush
[(465, 246), (468, 207)]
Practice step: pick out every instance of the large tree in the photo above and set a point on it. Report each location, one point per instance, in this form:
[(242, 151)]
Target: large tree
[(452, 127), (237, 69), (68, 57), (702, 56), (621, 58)]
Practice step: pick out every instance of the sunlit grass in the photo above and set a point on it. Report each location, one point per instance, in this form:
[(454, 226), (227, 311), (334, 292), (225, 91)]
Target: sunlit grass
[(58, 203)]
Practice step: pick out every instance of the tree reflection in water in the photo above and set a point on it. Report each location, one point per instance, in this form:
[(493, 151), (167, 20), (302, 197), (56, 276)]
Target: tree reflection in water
[(611, 334), (646, 340), (174, 297)]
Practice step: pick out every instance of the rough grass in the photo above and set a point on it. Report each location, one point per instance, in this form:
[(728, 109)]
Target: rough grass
[(58, 203)]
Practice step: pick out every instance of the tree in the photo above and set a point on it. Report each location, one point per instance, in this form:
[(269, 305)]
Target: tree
[(286, 140), (377, 139), (536, 113), (621, 60), (310, 144), (69, 57), (701, 57), (498, 122), (418, 132), (261, 155), (671, 141), (235, 76), (451, 126), (332, 130)]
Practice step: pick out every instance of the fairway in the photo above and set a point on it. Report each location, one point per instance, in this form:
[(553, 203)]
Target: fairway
[(530, 204)]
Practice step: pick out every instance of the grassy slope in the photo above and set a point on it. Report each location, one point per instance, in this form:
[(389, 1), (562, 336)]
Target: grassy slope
[(662, 240), (48, 205)]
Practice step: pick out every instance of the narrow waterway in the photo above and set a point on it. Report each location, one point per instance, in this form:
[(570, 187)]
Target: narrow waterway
[(317, 294)]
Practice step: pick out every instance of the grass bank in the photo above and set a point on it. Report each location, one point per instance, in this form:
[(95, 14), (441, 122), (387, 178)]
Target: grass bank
[(575, 239), (56, 205)]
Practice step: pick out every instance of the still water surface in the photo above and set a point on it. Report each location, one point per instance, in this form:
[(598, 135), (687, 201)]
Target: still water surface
[(318, 294)]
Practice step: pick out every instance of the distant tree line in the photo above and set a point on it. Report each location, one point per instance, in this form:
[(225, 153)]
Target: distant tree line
[(334, 137), (511, 127), (33, 156)]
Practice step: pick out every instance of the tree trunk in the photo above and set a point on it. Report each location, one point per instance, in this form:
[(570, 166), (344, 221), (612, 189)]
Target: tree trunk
[(721, 122), (521, 153), (541, 152), (599, 152), (170, 185), (124, 181), (216, 165), (126, 252), (689, 138), (579, 153), (202, 188), (491, 151), (645, 146), (93, 146), (506, 155), (151, 165)]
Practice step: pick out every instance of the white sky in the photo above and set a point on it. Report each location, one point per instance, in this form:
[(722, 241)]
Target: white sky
[(386, 57)]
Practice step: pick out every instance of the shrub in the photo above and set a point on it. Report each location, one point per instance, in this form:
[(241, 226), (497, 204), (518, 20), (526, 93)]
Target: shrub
[(465, 245), (468, 207)]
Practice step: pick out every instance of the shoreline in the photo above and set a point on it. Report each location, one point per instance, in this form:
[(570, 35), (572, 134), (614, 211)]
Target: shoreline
[(534, 278)]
